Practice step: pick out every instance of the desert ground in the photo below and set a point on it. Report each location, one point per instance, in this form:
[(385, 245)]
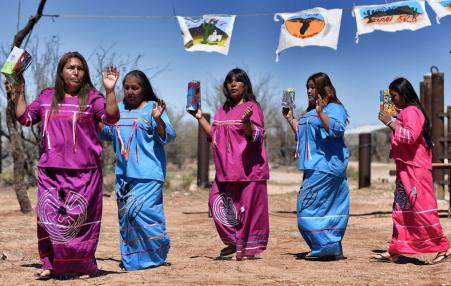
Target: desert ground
[(195, 244)]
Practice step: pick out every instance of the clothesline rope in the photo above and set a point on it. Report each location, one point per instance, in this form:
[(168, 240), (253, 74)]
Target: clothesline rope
[(145, 16), (151, 17)]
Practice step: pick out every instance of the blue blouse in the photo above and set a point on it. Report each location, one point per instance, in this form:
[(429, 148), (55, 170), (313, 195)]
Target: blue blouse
[(138, 146), (323, 150)]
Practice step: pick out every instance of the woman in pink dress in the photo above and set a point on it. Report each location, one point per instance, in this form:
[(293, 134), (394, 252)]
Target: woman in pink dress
[(416, 225), (238, 199)]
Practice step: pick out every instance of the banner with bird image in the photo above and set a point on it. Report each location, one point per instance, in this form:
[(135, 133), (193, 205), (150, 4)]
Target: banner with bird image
[(312, 27), (441, 7), (209, 33), (391, 17)]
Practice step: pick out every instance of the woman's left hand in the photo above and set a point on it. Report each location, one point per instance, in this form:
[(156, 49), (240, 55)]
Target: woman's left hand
[(158, 108), (110, 77), (320, 103), (247, 115), (384, 117)]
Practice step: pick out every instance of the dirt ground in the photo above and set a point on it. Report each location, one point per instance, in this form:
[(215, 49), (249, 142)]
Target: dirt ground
[(195, 244)]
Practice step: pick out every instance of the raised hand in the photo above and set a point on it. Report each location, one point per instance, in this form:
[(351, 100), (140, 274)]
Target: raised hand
[(198, 113), (110, 76), (246, 118), (158, 108), (320, 103)]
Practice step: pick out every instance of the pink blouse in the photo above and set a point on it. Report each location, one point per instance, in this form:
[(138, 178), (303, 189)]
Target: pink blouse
[(407, 143)]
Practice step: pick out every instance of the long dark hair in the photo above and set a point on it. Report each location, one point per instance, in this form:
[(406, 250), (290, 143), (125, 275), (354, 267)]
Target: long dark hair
[(144, 82), (324, 87), (405, 89), (60, 86), (241, 76)]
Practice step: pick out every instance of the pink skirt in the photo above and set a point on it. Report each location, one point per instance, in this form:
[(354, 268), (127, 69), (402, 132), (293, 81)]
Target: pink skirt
[(416, 225)]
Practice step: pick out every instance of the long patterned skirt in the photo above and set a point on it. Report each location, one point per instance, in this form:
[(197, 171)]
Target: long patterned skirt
[(240, 213), (144, 241), (416, 225), (323, 212), (69, 211)]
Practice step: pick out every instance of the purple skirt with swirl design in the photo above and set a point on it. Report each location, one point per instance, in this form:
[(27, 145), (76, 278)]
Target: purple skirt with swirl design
[(69, 211), (240, 213)]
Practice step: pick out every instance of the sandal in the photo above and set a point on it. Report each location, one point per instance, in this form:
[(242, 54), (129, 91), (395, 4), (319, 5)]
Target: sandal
[(228, 250), (309, 257), (246, 257), (441, 257), (43, 274), (385, 257)]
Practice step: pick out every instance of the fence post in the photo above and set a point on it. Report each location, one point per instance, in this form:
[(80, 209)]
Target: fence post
[(437, 118), (364, 160), (426, 95), (203, 156), (1, 146)]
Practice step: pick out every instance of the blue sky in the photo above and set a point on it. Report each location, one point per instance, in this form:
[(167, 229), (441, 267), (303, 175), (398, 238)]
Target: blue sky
[(358, 71)]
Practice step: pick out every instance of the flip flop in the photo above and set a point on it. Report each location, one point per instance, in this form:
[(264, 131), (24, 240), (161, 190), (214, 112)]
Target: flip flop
[(441, 257), (228, 250), (385, 257)]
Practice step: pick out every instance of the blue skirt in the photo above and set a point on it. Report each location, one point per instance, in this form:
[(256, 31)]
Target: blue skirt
[(323, 212), (144, 241)]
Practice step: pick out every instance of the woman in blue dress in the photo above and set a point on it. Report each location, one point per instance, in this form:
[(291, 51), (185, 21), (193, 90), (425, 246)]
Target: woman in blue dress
[(323, 200), (138, 140)]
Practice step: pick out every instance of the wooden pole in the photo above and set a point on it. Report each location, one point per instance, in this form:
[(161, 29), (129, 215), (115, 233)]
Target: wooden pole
[(437, 118), (203, 156), (364, 160)]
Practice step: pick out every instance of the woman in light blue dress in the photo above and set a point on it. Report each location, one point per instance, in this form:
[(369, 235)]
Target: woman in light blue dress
[(138, 140), (323, 200)]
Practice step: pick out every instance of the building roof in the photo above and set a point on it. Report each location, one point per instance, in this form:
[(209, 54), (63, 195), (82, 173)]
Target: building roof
[(366, 129)]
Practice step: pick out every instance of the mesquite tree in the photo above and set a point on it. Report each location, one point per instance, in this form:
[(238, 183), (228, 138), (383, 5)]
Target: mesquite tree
[(14, 136)]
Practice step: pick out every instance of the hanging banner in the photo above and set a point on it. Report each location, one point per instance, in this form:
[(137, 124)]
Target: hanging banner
[(391, 17), (209, 33), (441, 8), (313, 27)]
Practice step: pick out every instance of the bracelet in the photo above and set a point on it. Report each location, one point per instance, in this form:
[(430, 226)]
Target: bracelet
[(389, 122)]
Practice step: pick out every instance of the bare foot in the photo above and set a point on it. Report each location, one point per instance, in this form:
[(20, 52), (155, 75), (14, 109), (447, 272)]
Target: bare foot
[(43, 274)]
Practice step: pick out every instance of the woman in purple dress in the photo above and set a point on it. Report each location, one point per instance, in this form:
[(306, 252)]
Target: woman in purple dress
[(238, 199), (69, 198)]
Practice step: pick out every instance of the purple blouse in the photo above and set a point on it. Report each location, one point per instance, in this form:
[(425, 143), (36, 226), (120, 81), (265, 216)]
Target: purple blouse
[(69, 136), (237, 157)]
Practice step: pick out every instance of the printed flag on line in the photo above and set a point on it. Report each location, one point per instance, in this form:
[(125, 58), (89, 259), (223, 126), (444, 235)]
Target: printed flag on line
[(312, 27), (391, 17), (209, 33), (441, 7)]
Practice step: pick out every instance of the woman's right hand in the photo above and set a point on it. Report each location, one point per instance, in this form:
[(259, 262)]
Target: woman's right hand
[(19, 86), (110, 77), (287, 113), (197, 114)]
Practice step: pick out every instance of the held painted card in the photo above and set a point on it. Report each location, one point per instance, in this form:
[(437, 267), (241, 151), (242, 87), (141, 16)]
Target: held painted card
[(193, 95), (386, 102), (16, 63)]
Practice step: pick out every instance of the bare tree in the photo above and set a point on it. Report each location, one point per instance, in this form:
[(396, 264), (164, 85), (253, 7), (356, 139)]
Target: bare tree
[(15, 138)]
